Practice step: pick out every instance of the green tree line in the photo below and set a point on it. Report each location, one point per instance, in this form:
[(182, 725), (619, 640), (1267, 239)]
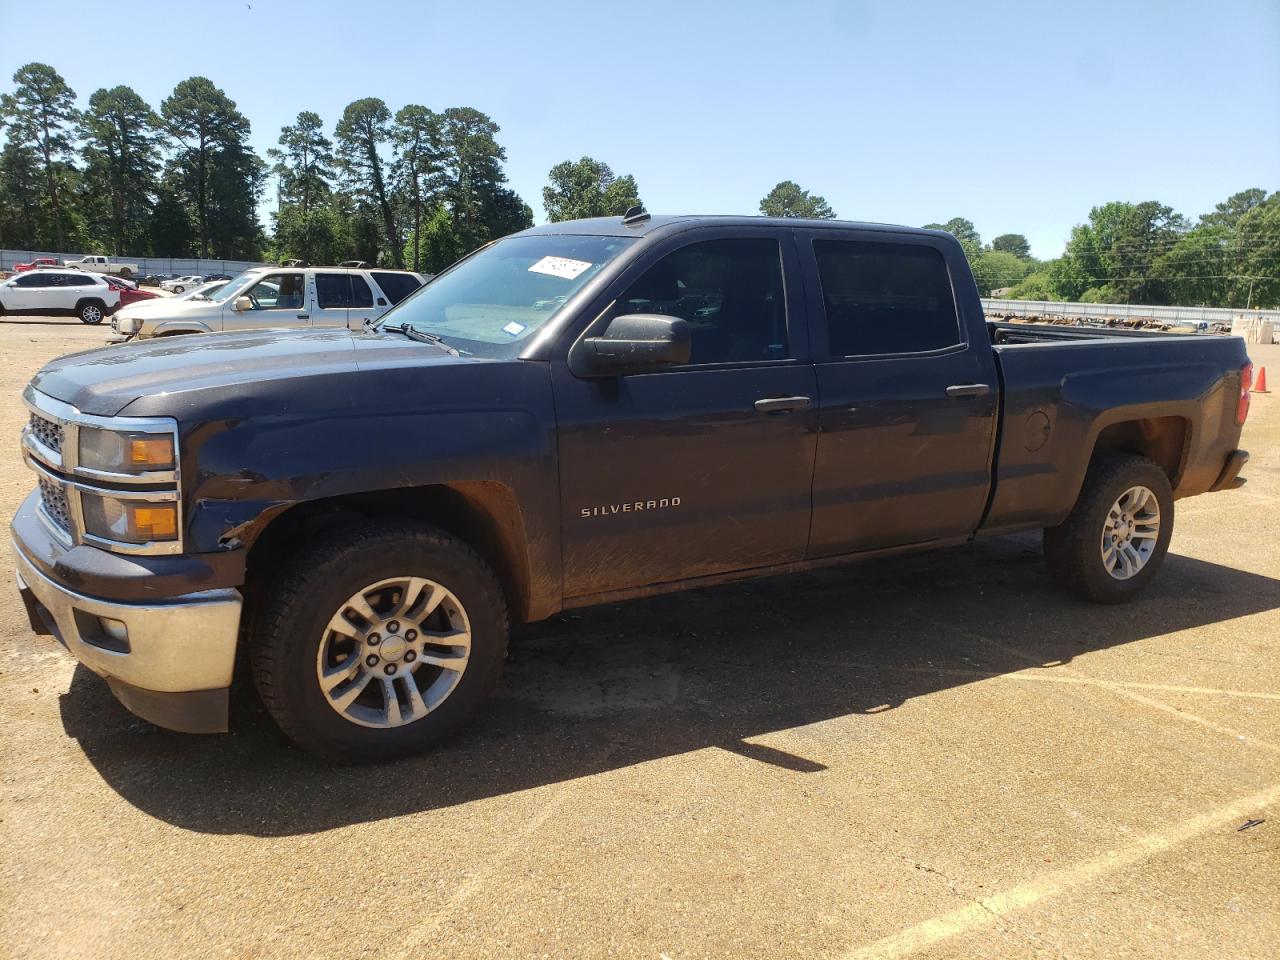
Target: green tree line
[(1143, 253), (415, 188), (419, 188)]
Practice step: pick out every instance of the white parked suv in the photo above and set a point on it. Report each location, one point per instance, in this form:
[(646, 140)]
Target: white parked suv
[(46, 292), (269, 297)]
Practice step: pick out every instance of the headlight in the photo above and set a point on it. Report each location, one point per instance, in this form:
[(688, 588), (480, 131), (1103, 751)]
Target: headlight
[(114, 451), (129, 521), (126, 324)]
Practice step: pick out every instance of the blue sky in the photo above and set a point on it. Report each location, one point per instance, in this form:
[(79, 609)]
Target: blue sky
[(1019, 116)]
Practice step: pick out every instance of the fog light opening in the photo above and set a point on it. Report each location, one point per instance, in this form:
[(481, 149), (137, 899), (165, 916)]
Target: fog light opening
[(117, 630)]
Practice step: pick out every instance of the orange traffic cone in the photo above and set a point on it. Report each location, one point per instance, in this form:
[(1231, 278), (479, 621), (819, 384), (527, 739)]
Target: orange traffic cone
[(1260, 384)]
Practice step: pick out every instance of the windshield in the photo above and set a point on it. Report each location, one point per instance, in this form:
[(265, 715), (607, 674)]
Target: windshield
[(233, 286), (206, 292), (488, 305)]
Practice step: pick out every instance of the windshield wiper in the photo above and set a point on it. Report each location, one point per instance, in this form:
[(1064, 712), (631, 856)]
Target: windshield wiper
[(420, 336)]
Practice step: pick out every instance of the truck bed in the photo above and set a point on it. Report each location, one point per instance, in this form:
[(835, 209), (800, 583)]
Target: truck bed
[(1009, 333), (1068, 391)]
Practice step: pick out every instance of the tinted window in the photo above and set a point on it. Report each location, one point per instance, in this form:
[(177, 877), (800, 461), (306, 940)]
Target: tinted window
[(885, 298), (361, 295), (33, 279), (396, 286), (333, 290), (729, 291), (71, 280)]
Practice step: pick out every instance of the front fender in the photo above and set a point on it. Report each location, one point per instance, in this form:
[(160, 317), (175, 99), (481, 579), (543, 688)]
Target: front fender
[(167, 327)]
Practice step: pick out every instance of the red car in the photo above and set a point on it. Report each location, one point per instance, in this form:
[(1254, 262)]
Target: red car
[(37, 262), (129, 292)]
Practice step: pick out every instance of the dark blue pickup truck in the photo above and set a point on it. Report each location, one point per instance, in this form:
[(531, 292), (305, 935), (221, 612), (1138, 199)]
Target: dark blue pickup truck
[(580, 413)]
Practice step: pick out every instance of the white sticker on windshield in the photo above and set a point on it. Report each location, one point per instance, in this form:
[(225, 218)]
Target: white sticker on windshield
[(561, 267), (513, 328)]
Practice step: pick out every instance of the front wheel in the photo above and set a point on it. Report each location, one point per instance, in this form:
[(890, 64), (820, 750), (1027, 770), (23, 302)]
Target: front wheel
[(90, 312), (1116, 537), (379, 640), (179, 289)]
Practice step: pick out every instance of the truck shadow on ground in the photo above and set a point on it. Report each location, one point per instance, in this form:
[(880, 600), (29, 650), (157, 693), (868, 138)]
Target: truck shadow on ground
[(608, 687)]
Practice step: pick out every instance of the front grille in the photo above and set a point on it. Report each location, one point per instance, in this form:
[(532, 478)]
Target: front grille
[(47, 432), (54, 500)]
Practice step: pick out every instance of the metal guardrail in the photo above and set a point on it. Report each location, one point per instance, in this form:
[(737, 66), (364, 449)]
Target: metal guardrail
[(1125, 311), (177, 266)]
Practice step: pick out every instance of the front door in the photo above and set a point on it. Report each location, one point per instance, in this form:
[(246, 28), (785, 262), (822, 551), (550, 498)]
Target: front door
[(277, 300), (705, 468), (27, 291), (908, 404)]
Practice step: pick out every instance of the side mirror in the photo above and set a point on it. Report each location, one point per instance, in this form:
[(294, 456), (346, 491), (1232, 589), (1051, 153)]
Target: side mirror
[(242, 304), (638, 341)]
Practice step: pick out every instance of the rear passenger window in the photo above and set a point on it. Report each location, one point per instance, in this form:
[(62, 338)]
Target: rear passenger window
[(361, 295), (396, 286), (333, 290), (885, 298)]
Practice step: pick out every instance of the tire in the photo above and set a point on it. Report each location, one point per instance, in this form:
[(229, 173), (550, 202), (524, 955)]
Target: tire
[(293, 641), (91, 311), (126, 273), (179, 289), (1079, 551)]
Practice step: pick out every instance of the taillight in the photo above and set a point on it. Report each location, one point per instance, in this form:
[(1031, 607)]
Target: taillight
[(1246, 382)]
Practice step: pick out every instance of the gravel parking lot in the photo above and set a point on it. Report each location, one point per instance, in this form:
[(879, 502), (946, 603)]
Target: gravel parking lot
[(937, 756)]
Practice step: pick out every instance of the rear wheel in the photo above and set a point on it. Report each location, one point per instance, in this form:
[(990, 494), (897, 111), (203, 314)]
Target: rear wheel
[(126, 273), (179, 289), (1116, 537), (377, 641), (91, 311)]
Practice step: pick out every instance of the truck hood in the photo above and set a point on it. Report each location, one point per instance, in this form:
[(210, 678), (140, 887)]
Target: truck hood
[(171, 370)]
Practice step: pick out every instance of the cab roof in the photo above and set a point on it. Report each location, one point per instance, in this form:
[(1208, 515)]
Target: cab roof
[(635, 227)]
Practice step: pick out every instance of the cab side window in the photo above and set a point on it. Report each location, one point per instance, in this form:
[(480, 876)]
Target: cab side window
[(277, 291), (885, 298), (729, 291)]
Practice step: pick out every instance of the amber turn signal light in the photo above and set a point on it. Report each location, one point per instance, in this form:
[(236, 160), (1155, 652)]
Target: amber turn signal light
[(151, 451), (152, 521)]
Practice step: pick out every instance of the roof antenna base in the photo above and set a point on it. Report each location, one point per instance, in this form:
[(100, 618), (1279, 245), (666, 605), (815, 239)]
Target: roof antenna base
[(636, 214)]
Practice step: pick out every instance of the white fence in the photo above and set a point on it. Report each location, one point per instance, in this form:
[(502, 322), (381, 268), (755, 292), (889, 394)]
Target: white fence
[(1126, 311), (167, 266)]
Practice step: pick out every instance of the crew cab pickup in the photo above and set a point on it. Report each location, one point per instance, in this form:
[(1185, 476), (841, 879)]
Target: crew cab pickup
[(99, 264), (580, 413)]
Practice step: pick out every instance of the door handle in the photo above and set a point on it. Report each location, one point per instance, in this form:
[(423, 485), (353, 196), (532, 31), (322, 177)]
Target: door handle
[(964, 391), (782, 404), (304, 316)]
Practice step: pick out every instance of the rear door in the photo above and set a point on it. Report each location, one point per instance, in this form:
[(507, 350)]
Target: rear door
[(908, 403), (340, 299), (701, 469)]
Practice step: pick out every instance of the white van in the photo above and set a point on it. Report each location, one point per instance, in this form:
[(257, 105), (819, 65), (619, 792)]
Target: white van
[(273, 297)]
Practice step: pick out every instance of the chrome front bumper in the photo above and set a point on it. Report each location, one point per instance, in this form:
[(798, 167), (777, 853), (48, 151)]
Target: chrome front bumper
[(175, 666)]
